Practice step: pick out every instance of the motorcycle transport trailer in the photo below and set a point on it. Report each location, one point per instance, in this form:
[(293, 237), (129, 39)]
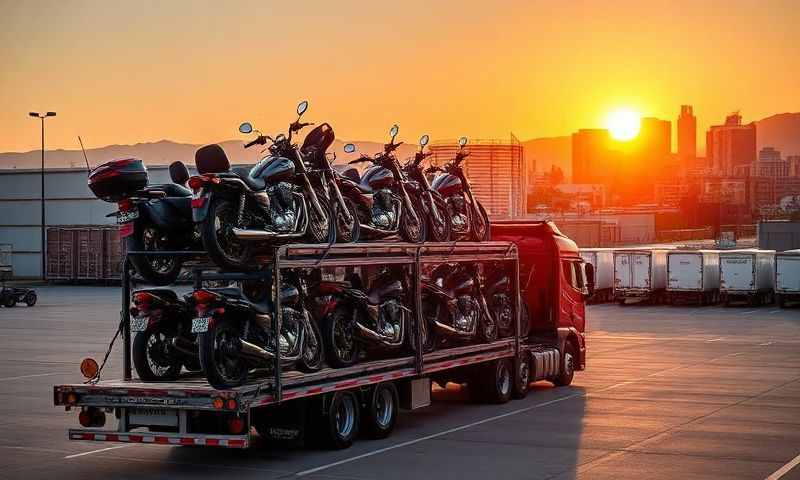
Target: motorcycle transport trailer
[(190, 412)]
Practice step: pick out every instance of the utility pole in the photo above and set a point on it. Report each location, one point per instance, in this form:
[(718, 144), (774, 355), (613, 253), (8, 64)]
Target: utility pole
[(42, 116)]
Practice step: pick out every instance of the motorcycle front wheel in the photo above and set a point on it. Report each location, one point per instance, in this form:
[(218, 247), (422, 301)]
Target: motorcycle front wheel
[(487, 329), (503, 312), (220, 355), (347, 232), (339, 337), (481, 228), (313, 351), (321, 228), (439, 230), (216, 231), (153, 357), (413, 231), (154, 269)]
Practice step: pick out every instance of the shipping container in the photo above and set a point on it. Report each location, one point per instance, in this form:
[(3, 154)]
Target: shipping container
[(113, 253), (787, 277), (60, 253), (747, 274), (89, 253), (640, 274), (779, 235), (602, 259), (86, 254), (694, 275)]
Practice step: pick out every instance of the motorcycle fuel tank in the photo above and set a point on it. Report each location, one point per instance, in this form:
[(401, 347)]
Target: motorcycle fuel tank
[(378, 178), (273, 169), (447, 185)]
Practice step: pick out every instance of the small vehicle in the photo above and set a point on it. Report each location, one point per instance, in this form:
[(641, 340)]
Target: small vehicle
[(358, 318), (152, 218), (236, 334), (164, 342), (468, 217), (433, 205), (384, 205), (10, 296), (274, 202)]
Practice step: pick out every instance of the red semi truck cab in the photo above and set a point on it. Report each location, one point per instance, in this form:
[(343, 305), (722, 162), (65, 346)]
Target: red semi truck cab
[(554, 282)]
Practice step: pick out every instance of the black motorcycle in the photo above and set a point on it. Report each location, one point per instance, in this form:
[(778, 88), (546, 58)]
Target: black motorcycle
[(163, 342), (433, 205), (152, 218), (236, 334), (356, 318), (499, 297), (454, 307), (274, 202), (383, 205), (468, 217)]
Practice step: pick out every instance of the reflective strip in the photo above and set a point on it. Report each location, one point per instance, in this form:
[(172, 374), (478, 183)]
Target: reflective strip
[(159, 439)]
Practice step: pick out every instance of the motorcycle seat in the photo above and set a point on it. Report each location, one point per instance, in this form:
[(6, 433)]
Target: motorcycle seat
[(235, 293), (252, 183), (171, 189)]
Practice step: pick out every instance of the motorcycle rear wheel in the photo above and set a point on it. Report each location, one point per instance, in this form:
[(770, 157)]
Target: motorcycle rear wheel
[(339, 337), (153, 357), (216, 232), (219, 355), (156, 270)]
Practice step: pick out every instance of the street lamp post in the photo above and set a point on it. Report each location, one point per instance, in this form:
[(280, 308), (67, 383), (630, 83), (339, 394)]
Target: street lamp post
[(42, 116)]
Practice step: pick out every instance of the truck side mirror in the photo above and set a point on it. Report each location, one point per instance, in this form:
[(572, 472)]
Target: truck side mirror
[(588, 270)]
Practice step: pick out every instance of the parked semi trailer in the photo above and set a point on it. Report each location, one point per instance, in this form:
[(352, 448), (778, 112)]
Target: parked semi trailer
[(331, 404), (602, 260), (787, 277), (693, 275), (640, 275), (747, 275)]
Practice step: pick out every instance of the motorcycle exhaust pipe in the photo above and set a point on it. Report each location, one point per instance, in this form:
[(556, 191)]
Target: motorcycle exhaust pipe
[(256, 235), (448, 330), (184, 346), (375, 337), (378, 231), (252, 351)]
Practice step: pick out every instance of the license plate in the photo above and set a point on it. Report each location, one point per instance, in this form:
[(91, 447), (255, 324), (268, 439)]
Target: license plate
[(200, 325), (153, 416), (125, 217), (139, 324)]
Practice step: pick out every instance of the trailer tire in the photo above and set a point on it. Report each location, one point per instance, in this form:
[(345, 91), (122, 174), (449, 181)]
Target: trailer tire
[(567, 366), (340, 422), (493, 382), (380, 413), (523, 377)]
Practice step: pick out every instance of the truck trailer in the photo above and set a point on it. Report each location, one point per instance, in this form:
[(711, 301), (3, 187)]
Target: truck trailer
[(693, 275), (787, 277), (747, 275), (602, 260), (331, 405), (640, 275)]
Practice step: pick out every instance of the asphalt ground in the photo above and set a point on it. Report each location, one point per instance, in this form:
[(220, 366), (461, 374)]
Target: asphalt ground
[(669, 392)]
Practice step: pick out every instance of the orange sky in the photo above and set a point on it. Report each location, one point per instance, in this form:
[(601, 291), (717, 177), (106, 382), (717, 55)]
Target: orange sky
[(120, 72)]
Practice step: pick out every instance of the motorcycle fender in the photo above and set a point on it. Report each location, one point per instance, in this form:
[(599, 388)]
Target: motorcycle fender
[(200, 207)]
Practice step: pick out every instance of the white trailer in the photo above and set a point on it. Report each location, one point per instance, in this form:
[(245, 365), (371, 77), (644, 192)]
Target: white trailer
[(602, 260), (747, 274), (693, 275), (787, 277), (640, 274)]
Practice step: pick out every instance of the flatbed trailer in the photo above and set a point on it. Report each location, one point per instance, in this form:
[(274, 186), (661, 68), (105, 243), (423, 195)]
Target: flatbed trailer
[(189, 411)]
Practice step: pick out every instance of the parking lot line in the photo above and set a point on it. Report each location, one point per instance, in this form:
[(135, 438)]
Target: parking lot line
[(30, 376), (785, 469)]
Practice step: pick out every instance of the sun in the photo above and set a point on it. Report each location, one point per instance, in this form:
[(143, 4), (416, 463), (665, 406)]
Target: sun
[(623, 124)]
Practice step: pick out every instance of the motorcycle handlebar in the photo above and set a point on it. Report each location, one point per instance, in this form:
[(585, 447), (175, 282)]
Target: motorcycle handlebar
[(260, 140)]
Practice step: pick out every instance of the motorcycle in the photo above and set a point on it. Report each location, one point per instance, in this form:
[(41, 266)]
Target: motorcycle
[(274, 202), (355, 318), (499, 296), (468, 217), (236, 334), (433, 205), (152, 218), (163, 342), (454, 306), (380, 198)]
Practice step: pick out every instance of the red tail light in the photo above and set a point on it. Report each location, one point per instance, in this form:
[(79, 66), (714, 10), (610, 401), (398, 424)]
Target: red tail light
[(125, 205), (126, 230), (198, 202), (327, 288), (203, 297), (235, 426), (197, 182)]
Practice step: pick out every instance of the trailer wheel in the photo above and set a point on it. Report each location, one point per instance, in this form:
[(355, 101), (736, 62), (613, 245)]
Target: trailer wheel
[(340, 422), (567, 366), (523, 377), (30, 299), (380, 414), (493, 382)]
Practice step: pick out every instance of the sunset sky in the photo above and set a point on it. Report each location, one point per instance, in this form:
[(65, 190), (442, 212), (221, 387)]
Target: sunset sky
[(191, 71)]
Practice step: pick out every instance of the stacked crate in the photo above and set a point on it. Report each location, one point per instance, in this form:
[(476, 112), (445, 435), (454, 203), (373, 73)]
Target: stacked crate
[(84, 253)]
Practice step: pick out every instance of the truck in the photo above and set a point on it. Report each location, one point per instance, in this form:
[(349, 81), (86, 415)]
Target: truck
[(747, 275), (787, 277), (693, 275), (330, 405), (640, 275), (602, 259)]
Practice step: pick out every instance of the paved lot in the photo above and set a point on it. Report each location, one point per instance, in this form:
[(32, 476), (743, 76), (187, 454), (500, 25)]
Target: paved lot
[(670, 392)]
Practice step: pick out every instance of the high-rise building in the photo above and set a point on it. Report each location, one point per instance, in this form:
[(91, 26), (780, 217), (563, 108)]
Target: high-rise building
[(687, 136), (497, 173), (593, 161), (731, 148), (770, 164)]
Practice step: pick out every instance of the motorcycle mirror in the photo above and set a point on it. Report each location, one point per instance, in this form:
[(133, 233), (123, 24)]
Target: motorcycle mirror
[(462, 141), (423, 140), (349, 148), (246, 127), (302, 107), (394, 131)]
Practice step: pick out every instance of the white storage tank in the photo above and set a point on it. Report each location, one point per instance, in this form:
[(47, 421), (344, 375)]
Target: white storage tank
[(602, 259), (640, 274), (787, 277), (693, 274), (747, 274)]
